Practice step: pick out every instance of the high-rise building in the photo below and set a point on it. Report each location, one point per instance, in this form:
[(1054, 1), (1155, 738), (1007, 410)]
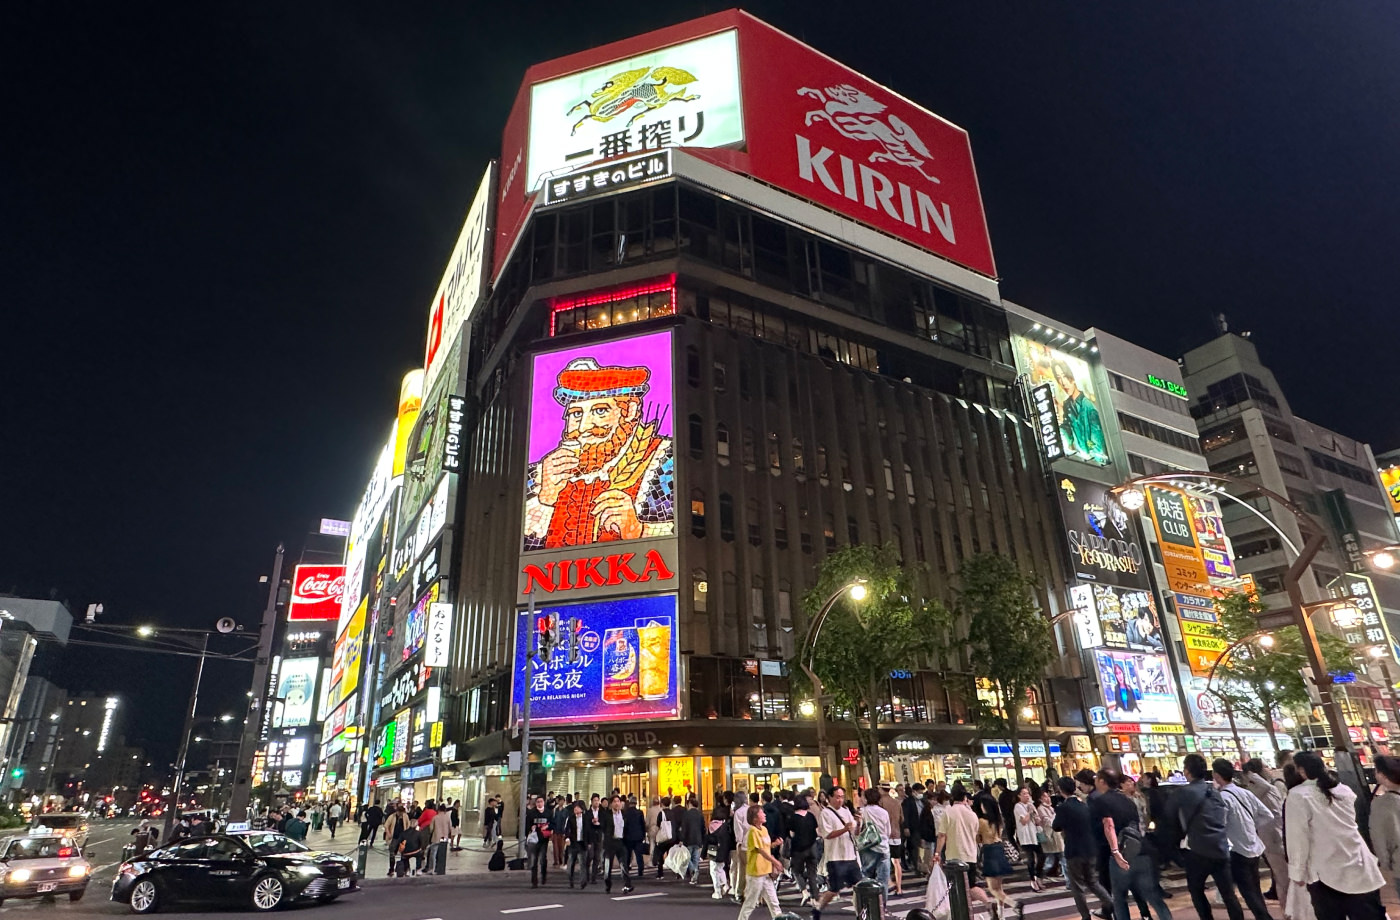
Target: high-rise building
[(1248, 430), (735, 322)]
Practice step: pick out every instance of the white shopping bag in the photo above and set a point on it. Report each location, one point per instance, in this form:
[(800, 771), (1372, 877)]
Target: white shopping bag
[(936, 899), (1299, 902), (678, 860)]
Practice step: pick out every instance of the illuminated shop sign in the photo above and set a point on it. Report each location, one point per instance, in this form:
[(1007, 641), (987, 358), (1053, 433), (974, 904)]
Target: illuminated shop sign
[(684, 95), (452, 443), (613, 176), (1175, 389), (627, 668), (1101, 536), (1047, 423), (602, 466), (317, 593)]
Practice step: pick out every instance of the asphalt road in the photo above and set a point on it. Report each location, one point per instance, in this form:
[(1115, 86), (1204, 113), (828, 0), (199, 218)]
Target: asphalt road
[(508, 896)]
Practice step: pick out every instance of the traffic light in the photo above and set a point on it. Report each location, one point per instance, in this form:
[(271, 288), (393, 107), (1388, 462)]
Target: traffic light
[(550, 754), (17, 773), (574, 625), (547, 628)]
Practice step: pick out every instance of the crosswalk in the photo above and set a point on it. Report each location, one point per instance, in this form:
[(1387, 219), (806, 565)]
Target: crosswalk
[(1054, 902)]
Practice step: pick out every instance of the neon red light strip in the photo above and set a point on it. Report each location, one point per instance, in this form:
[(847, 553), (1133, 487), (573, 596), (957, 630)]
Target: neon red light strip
[(599, 298)]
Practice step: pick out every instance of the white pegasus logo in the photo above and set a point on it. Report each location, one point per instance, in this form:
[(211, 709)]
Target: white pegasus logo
[(855, 115)]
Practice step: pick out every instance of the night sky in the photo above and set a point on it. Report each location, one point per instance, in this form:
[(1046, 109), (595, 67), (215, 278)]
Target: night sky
[(220, 230)]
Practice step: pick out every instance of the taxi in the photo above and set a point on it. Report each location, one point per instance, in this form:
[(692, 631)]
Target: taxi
[(41, 864)]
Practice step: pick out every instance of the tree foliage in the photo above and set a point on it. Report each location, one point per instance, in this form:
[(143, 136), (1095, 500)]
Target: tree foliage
[(861, 642), (1009, 640), (1260, 683)]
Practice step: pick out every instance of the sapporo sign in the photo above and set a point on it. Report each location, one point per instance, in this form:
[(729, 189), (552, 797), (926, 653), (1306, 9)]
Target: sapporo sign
[(1101, 537)]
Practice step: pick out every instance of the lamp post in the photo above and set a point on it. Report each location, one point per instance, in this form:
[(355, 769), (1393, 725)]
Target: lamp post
[(1266, 641), (857, 591)]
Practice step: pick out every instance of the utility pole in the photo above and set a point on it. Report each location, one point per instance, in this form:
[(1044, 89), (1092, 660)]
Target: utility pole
[(173, 804), (257, 702), (525, 726)]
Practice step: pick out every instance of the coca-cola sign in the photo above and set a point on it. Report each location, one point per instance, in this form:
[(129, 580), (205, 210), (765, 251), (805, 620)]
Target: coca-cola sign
[(316, 592)]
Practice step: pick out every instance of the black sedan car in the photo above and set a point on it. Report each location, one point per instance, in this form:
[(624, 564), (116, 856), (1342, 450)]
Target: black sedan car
[(263, 871)]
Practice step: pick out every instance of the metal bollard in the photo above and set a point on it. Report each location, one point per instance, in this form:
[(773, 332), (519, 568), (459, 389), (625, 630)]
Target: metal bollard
[(956, 870), (868, 898), (362, 859)]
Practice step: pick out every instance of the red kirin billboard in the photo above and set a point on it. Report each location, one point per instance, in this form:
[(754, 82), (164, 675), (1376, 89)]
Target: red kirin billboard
[(316, 592), (736, 91)]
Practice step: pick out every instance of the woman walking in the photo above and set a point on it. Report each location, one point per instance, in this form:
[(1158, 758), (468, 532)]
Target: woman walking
[(1052, 842), (1326, 853), (995, 865), (1027, 836)]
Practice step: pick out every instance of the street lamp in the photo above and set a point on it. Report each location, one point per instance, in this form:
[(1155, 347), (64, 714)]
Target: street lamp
[(856, 589)]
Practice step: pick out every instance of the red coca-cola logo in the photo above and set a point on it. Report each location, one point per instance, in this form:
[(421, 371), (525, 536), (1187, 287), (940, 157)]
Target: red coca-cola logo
[(316, 592), (319, 587)]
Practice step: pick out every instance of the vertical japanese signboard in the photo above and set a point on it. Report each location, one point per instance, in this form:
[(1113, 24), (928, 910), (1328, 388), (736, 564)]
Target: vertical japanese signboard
[(1176, 536), (1371, 627)]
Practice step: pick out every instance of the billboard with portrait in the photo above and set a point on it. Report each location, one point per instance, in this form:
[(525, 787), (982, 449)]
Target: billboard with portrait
[(1128, 618), (1072, 394), (1101, 536), (1137, 687), (296, 689), (1390, 481), (627, 669), (602, 463)]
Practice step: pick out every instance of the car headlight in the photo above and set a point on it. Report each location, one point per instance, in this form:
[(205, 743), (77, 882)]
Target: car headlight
[(19, 875), (307, 870), (78, 871)]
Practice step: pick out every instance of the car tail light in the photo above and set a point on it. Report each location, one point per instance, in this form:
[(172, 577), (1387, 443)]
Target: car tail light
[(66, 852)]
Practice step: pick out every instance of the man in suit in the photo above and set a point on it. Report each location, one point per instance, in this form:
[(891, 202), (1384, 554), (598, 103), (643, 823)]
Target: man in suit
[(580, 836), (615, 849), (635, 833), (595, 815)]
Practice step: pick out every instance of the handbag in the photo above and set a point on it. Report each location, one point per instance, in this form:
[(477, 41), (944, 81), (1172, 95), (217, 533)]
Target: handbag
[(1013, 852), (663, 830), (869, 836), (678, 860), (936, 898)]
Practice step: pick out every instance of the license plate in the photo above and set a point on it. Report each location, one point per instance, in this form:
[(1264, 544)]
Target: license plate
[(342, 883), (47, 886)]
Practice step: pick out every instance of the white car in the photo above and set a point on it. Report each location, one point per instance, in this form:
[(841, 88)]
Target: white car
[(71, 824), (39, 865)]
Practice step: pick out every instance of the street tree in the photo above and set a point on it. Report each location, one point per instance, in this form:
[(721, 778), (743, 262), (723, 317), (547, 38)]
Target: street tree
[(861, 642), (1008, 638), (1259, 683)]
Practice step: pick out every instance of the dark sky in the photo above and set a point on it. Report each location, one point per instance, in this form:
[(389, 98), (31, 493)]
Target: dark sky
[(219, 231)]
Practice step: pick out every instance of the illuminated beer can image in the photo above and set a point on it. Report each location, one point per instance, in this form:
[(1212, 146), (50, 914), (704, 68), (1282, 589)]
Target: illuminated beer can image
[(654, 671), (620, 665)]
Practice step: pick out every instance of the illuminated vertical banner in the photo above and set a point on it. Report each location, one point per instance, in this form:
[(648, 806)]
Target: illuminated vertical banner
[(1176, 536), (1065, 382), (600, 490)]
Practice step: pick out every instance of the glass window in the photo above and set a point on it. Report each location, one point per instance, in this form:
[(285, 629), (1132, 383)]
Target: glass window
[(775, 454), (780, 531), (722, 443), (699, 591), (751, 512), (750, 450), (726, 517), (799, 461), (692, 365), (697, 512), (697, 436), (829, 531)]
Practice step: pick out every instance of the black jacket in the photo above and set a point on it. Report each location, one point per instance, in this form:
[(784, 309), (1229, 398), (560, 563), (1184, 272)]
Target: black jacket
[(634, 824), (609, 835), (590, 833), (1072, 819), (693, 827)]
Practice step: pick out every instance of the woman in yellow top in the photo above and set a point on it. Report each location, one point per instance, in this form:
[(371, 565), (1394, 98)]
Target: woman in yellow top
[(995, 865), (760, 866)]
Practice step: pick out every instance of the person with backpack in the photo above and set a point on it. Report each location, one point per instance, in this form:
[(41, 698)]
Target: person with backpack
[(1244, 815), (722, 839), (802, 830), (1207, 851)]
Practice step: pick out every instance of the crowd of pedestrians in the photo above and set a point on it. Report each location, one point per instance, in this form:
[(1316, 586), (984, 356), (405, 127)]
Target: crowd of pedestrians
[(1103, 836)]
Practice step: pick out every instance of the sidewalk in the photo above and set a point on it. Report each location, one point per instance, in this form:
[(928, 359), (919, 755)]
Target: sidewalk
[(470, 860)]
